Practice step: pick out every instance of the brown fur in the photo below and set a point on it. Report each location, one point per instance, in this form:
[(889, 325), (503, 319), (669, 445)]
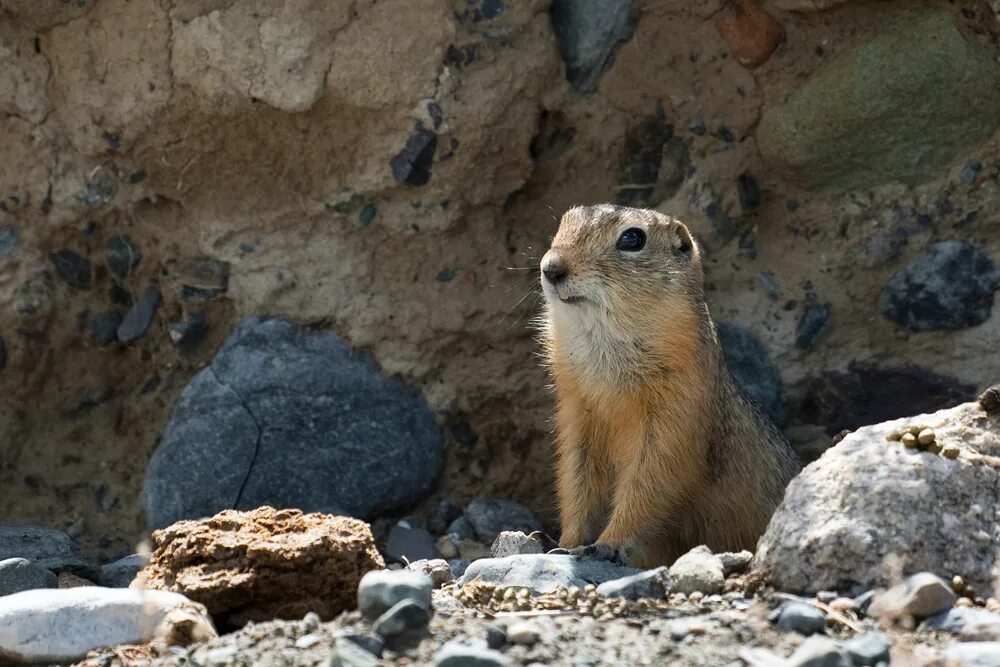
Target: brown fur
[(657, 449)]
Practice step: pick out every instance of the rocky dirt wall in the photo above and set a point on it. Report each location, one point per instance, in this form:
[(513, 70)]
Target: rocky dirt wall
[(392, 170)]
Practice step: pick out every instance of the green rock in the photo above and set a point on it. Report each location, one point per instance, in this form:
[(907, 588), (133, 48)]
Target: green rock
[(900, 108)]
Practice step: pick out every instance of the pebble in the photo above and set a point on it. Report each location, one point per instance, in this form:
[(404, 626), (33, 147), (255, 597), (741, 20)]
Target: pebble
[(735, 562), (380, 590), (459, 566), (73, 268), (826, 597), (800, 617), (513, 543), (525, 634), (21, 574), (443, 514), (973, 654), (412, 164), (409, 542), (491, 516), (121, 255), (751, 33), (868, 649), (371, 643), (121, 572), (9, 238), (926, 437), (654, 584), (347, 653), (103, 327), (950, 452), (404, 623), (920, 595), (190, 331), (967, 623), (462, 529), (842, 604), (140, 316), (496, 637), (456, 654), (698, 570), (819, 651), (308, 641), (437, 569), (811, 325)]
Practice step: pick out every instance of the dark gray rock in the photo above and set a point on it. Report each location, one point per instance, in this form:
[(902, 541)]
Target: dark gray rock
[(819, 651), (919, 595), (800, 617), (459, 566), (404, 624), (187, 333), (103, 327), (73, 268), (348, 653), (653, 584), (811, 325), (969, 623), (461, 528), (588, 32), (20, 574), (868, 649), (412, 165), (437, 569), (290, 419), (949, 287), (457, 654), (544, 573), (411, 543), (121, 255), (973, 654), (639, 169), (121, 572), (371, 643), (9, 238), (442, 515), (496, 637), (202, 278), (381, 590), (140, 315), (491, 516), (513, 543), (46, 547), (751, 366), (735, 562)]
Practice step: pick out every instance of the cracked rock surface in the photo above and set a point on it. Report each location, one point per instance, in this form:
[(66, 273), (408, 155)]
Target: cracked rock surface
[(292, 419)]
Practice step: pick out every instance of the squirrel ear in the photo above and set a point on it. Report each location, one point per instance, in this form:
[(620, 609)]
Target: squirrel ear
[(683, 243)]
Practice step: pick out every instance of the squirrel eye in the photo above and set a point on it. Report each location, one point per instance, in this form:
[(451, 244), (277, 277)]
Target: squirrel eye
[(632, 239)]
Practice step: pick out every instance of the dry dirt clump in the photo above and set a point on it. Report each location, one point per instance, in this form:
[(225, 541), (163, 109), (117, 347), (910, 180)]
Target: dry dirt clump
[(264, 564)]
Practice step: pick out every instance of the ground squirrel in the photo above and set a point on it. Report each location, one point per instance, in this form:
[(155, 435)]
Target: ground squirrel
[(658, 450)]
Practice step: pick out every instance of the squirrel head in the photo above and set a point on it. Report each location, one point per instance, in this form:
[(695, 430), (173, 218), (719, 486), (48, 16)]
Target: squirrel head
[(620, 262)]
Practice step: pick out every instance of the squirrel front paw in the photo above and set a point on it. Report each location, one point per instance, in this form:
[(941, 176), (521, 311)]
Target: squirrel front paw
[(601, 551)]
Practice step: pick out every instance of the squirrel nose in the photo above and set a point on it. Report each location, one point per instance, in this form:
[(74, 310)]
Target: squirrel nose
[(554, 268)]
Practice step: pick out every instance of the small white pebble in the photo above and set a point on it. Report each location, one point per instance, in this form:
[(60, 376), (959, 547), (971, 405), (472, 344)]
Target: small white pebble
[(307, 641), (523, 633), (842, 604), (696, 596), (310, 621)]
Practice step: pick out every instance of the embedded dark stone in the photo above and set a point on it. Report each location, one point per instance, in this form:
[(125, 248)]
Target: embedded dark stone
[(140, 316), (103, 327), (811, 325), (72, 267), (9, 238), (412, 165), (588, 32), (121, 255), (750, 365), (187, 334), (639, 169)]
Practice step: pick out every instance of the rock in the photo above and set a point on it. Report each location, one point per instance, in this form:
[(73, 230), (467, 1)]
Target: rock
[(381, 589), (347, 653), (140, 315), (735, 562), (408, 543), (819, 651), (652, 584), (412, 165), (459, 566), (588, 32), (969, 624), (751, 366), (103, 327), (800, 617), (264, 564), (842, 129), (60, 626), (496, 637), (989, 400), (457, 654), (202, 278), (187, 333), (9, 239), (513, 543), (437, 569), (20, 574), (121, 255), (3, 355), (811, 325), (949, 287), (47, 548), (867, 498), (371, 643), (462, 529), (442, 515), (868, 394), (403, 625), (543, 573), (751, 33), (72, 267), (639, 169), (524, 633), (471, 550), (920, 595), (698, 570), (123, 571), (293, 419), (491, 516), (868, 649), (972, 654), (70, 580)]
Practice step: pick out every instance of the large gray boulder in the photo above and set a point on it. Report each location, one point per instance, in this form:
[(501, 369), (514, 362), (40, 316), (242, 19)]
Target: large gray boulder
[(867, 117), (870, 507), (47, 548), (287, 418)]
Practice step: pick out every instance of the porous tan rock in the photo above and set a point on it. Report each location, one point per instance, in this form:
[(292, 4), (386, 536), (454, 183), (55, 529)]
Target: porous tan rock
[(263, 564)]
